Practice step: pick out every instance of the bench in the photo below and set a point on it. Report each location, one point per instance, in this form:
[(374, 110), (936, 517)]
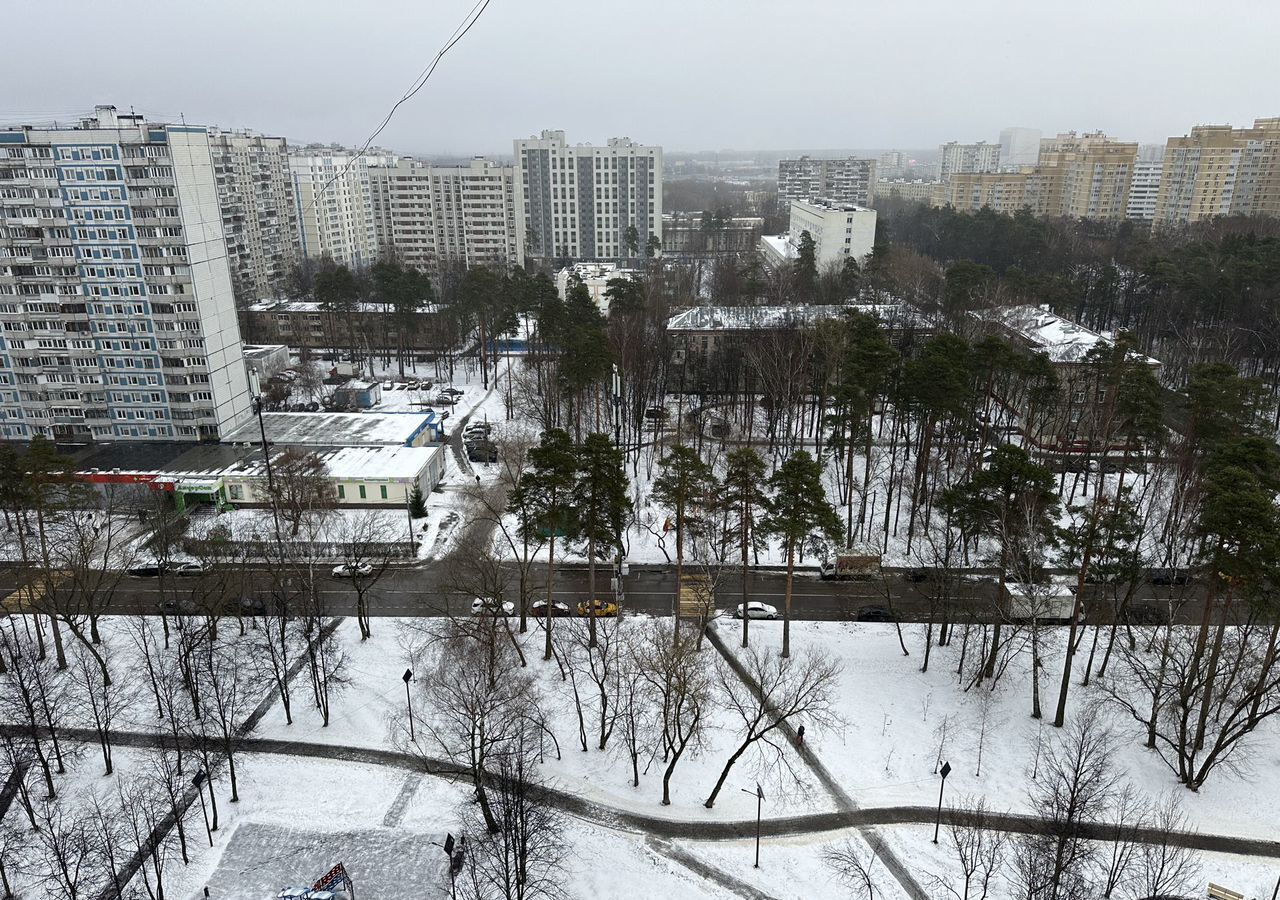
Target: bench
[(1218, 892)]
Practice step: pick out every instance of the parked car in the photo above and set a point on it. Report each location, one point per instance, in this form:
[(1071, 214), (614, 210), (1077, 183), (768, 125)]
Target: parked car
[(604, 608), (1169, 576), (876, 614), (539, 608), (756, 610), (654, 413), (485, 606), (452, 391), (482, 452), (350, 570), (186, 568), (146, 571), (444, 399)]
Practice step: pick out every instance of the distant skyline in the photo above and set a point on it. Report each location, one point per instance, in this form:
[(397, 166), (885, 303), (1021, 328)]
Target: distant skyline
[(711, 75)]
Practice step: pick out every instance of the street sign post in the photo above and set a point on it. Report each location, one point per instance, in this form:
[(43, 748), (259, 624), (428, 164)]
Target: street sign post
[(944, 772)]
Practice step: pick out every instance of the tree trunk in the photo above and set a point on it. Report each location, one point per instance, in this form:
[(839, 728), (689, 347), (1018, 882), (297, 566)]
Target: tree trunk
[(786, 602)]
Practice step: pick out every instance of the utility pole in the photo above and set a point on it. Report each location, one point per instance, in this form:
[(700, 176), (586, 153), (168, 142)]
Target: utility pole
[(759, 795)]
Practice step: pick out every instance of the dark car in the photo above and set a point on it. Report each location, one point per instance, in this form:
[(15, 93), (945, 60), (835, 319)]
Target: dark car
[(915, 576), (482, 452), (876, 614), (145, 571), (1169, 576)]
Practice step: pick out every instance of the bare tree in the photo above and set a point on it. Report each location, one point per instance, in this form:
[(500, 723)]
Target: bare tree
[(65, 863), (1124, 823), (523, 859), (777, 693), (679, 676), (227, 698), (1162, 868), (636, 702), (302, 486), (853, 866), (979, 848), (103, 697), (367, 540)]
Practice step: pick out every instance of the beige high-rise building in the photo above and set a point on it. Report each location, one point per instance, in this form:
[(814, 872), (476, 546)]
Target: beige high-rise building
[(1085, 177), (432, 216), (259, 216), (1218, 170), (1004, 192)]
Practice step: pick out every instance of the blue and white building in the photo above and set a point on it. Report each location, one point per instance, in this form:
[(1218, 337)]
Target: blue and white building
[(117, 320)]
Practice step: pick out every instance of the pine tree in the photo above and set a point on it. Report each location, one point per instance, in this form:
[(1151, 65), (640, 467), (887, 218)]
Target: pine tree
[(743, 496), (601, 506), (417, 502), (685, 486), (798, 510)]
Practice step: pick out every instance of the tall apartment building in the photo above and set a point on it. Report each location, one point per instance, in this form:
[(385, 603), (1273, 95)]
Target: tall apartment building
[(433, 216), (1085, 176), (954, 158), (893, 164), (117, 319), (1218, 170), (847, 180), (259, 217), (580, 201), (1019, 147), (840, 231), (335, 205), (1144, 190), (1004, 192)]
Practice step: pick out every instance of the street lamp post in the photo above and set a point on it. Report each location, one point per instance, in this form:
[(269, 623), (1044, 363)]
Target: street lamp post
[(759, 795), (408, 699), (199, 780), (944, 772)]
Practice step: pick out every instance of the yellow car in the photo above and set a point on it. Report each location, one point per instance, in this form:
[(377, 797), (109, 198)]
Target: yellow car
[(604, 608)]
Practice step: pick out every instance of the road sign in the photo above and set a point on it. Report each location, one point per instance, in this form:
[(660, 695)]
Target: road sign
[(946, 770)]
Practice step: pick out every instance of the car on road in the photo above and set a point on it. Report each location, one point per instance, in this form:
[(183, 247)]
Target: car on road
[(1168, 577), (146, 571), (756, 610), (875, 613), (487, 606), (186, 568), (176, 568), (558, 609), (351, 570), (603, 608)]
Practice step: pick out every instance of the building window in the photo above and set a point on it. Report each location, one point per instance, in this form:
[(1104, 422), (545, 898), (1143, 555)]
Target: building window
[(342, 492), (383, 488), (235, 492), (362, 492)]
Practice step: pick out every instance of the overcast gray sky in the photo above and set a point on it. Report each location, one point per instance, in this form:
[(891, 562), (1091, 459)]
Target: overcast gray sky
[(687, 74)]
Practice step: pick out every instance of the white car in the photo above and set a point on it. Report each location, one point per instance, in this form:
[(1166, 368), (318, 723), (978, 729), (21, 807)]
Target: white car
[(350, 570), (487, 607), (186, 568), (756, 610)]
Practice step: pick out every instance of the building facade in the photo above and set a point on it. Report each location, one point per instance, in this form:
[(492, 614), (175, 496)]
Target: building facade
[(916, 191), (892, 164), (582, 201), (117, 318), (1085, 177), (693, 233), (334, 203), (840, 231), (430, 217), (259, 216), (1144, 190), (1004, 192), (847, 180), (955, 158), (1019, 147), (1217, 170)]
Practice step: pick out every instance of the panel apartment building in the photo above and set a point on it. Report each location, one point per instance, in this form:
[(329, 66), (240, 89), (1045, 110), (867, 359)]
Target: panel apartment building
[(1218, 170), (117, 320), (430, 217), (954, 158), (259, 217), (579, 201), (335, 205), (847, 180)]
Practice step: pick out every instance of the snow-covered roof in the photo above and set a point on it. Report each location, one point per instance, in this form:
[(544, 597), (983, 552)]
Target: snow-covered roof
[(283, 305), (780, 245), (714, 318), (353, 463), (1061, 339), (334, 429)]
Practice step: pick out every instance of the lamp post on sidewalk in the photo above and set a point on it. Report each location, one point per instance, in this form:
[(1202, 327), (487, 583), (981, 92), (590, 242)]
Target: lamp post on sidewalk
[(200, 778), (759, 795), (408, 699), (944, 772)]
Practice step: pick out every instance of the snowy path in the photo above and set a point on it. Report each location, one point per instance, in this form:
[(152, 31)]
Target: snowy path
[(701, 829)]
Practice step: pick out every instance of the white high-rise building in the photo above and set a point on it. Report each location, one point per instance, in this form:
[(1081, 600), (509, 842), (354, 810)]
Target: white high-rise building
[(955, 159), (259, 216), (431, 216), (840, 231), (1019, 147), (1144, 186), (335, 207), (117, 320), (581, 201)]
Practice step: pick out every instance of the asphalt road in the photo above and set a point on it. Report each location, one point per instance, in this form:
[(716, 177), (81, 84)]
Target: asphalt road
[(424, 590)]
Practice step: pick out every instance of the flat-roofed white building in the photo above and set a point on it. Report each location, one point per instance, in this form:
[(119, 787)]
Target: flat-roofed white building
[(840, 231), (595, 277)]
